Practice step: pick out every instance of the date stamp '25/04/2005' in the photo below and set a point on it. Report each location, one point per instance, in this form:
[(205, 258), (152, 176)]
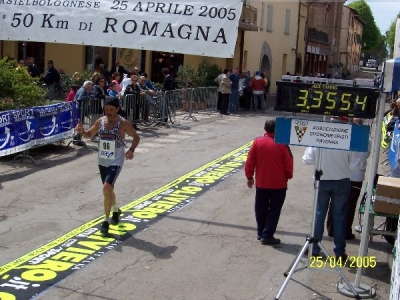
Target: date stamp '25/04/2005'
[(342, 262)]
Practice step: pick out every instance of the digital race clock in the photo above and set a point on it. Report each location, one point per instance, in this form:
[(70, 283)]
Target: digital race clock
[(326, 99)]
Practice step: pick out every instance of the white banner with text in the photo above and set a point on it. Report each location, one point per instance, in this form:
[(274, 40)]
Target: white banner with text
[(207, 28)]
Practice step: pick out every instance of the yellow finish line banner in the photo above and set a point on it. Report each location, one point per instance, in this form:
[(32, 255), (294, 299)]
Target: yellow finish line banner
[(36, 271)]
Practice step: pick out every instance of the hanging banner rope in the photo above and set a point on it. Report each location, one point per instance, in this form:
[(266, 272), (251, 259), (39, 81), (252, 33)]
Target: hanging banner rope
[(183, 26)]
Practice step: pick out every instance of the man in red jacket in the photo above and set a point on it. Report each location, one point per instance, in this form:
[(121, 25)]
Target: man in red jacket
[(273, 167)]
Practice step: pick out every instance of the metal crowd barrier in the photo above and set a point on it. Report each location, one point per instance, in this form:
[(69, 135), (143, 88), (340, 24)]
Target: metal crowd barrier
[(205, 99), (89, 110)]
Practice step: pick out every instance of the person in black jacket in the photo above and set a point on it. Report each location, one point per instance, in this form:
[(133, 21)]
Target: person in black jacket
[(132, 103), (99, 93), (120, 69), (168, 84), (51, 78)]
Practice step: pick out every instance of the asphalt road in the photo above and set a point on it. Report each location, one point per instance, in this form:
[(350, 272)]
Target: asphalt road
[(206, 249)]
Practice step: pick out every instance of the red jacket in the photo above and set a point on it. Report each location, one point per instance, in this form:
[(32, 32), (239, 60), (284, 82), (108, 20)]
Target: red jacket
[(258, 84), (272, 163)]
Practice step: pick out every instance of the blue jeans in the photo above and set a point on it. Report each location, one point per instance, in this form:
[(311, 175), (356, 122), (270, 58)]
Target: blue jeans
[(336, 191), (268, 206), (51, 90), (258, 101), (233, 100)]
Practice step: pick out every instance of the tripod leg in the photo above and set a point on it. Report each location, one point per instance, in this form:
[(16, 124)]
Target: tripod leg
[(293, 268), (356, 295)]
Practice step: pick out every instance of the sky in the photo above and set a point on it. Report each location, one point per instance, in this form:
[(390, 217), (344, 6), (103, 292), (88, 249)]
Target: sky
[(384, 12)]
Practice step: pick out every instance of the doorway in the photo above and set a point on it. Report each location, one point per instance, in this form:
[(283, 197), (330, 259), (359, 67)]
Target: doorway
[(161, 60), (33, 49)]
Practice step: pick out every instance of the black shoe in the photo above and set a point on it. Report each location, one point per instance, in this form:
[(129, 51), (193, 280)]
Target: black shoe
[(350, 237), (270, 241), (258, 237), (115, 217), (104, 227)]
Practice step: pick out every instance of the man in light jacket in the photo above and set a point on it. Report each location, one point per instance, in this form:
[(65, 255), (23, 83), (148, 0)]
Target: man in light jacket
[(334, 186)]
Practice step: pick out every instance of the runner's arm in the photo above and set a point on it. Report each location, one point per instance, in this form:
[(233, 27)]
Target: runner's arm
[(87, 134), (131, 132)]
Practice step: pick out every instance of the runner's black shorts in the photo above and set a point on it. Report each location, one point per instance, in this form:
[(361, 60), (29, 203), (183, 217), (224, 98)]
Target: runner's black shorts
[(109, 174)]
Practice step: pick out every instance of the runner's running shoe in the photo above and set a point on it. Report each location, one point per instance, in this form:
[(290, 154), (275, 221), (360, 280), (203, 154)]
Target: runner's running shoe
[(104, 227), (115, 217)]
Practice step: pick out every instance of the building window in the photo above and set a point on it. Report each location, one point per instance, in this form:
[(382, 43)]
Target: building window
[(287, 22), (269, 18)]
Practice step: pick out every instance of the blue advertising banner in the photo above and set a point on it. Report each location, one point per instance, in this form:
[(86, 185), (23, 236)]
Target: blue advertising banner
[(394, 145), (26, 128)]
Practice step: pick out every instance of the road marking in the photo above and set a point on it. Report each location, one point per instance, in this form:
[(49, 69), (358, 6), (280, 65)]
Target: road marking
[(35, 272)]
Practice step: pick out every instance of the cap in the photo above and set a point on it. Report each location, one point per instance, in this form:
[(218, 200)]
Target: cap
[(112, 101), (258, 73)]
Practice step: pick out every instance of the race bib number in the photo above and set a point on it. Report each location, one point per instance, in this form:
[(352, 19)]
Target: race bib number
[(107, 149)]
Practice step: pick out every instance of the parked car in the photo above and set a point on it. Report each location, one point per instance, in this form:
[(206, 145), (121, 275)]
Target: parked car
[(371, 63)]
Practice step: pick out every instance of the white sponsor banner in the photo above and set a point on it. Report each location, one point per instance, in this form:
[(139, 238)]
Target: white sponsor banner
[(206, 28), (320, 134)]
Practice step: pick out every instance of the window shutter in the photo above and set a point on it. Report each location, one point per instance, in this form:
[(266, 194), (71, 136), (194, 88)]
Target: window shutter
[(269, 20)]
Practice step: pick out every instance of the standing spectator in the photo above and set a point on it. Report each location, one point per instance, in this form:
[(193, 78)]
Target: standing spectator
[(83, 96), (22, 66), (72, 93), (234, 96), (51, 78), (273, 167), (112, 128), (115, 77), (148, 83), (356, 180), (334, 186), (33, 70), (225, 89), (258, 84), (120, 69), (168, 84), (103, 71), (99, 93), (133, 104), (266, 88), (247, 91), (218, 81), (125, 82)]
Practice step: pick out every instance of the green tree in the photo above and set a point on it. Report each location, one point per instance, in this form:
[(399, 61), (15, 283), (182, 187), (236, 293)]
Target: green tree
[(17, 88), (371, 34), (381, 52), (390, 35)]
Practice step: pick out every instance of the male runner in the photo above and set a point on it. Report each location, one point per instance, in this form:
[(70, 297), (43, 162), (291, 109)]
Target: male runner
[(111, 129)]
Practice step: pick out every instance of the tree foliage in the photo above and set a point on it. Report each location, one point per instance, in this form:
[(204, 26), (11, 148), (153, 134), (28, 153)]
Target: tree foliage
[(381, 52), (390, 35), (371, 34), (17, 88)]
